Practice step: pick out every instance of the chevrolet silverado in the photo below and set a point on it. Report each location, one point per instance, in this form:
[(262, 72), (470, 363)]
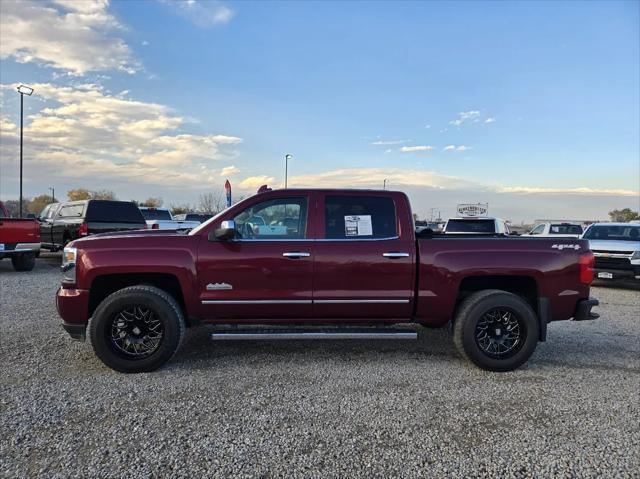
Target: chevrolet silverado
[(300, 263)]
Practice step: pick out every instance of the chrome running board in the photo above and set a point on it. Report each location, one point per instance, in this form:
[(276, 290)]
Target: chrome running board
[(236, 334)]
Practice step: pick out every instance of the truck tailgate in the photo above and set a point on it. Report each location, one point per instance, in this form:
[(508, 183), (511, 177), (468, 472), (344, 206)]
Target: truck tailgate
[(15, 230)]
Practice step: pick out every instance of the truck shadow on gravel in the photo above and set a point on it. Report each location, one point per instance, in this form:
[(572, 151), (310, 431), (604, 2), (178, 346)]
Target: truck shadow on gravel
[(564, 350), (198, 347)]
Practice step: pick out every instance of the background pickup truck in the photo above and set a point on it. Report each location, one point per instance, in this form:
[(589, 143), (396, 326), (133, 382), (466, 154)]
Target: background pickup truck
[(19, 240), (477, 225), (300, 263), (61, 223), (161, 219)]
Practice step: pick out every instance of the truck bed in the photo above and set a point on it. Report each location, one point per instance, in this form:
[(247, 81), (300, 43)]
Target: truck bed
[(543, 266)]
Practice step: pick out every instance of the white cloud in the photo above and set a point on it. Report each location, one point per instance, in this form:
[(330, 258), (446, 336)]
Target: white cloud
[(389, 142), (75, 36), (229, 170), (564, 191), (85, 132), (367, 177), (254, 182), (427, 126), (465, 117), (456, 148), (202, 13), (401, 177), (490, 120), (411, 149)]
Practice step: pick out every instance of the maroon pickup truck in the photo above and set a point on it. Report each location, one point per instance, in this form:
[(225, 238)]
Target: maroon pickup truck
[(300, 263), (19, 240)]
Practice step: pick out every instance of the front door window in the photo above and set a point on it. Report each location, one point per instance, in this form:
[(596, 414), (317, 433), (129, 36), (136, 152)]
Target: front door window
[(280, 218)]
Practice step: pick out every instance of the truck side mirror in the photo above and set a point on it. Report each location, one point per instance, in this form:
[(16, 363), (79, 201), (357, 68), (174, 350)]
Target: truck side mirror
[(226, 231)]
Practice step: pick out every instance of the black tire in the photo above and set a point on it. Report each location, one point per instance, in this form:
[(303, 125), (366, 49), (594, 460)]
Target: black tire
[(23, 262), (166, 314), (483, 312)]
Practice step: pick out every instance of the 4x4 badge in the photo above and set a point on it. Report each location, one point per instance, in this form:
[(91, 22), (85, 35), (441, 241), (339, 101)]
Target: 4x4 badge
[(218, 286)]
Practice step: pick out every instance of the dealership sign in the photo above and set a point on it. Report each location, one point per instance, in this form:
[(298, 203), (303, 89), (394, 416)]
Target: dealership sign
[(473, 209)]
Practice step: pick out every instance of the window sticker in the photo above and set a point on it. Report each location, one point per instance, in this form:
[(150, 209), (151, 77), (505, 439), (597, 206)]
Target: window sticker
[(358, 225)]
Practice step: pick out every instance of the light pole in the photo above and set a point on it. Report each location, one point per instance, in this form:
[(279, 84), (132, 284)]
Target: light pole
[(23, 90), (53, 195), (287, 157), (384, 184)]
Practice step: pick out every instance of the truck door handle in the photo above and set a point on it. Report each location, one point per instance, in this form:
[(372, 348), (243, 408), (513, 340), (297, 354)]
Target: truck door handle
[(394, 255), (296, 254)]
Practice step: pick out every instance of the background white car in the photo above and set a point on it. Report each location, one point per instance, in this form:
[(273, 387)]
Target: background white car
[(566, 230), (161, 219)]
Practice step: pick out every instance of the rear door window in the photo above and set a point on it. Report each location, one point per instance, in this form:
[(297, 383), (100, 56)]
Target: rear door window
[(359, 217), (114, 212)]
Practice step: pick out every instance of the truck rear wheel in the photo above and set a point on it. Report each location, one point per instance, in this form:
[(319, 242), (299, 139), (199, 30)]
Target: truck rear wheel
[(23, 261), (496, 330), (136, 329)]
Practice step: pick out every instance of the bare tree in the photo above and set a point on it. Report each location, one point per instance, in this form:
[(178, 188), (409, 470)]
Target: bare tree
[(177, 209), (213, 202), (151, 202)]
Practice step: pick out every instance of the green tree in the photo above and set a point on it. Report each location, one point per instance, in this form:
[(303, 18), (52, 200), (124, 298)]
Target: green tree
[(39, 202), (78, 194), (624, 215)]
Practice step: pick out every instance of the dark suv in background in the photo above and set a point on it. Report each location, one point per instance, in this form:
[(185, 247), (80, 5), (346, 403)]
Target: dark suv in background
[(61, 223)]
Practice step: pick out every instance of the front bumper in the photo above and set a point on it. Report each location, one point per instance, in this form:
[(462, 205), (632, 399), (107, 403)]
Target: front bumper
[(612, 274), (73, 308), (583, 310), (76, 331)]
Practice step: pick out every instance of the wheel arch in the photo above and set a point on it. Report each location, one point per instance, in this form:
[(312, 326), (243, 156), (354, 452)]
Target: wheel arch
[(104, 285), (524, 286)]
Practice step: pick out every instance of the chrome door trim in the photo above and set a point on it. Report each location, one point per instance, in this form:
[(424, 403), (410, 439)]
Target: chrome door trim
[(257, 301), (305, 301), (360, 301)]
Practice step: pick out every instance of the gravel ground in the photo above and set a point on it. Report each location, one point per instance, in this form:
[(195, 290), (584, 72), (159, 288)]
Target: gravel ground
[(316, 409)]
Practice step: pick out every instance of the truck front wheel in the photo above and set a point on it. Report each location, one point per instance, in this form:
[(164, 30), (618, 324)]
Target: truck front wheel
[(136, 329), (496, 330)]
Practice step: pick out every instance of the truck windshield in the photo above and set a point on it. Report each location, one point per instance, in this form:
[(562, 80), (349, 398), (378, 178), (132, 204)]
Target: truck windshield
[(613, 232), (156, 214), (471, 226)]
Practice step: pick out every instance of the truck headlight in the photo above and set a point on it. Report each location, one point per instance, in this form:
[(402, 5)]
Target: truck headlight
[(68, 268), (635, 255)]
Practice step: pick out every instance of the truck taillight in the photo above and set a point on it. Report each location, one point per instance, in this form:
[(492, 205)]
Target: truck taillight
[(587, 263), (83, 230), (155, 226)]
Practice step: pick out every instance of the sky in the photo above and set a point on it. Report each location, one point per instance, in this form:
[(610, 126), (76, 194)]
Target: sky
[(533, 107)]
